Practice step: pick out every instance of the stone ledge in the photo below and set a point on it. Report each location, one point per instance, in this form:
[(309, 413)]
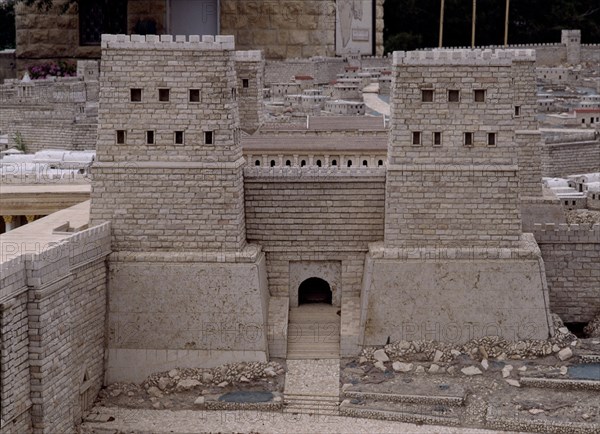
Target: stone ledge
[(467, 57), (128, 165), (251, 253), (304, 174), (167, 42)]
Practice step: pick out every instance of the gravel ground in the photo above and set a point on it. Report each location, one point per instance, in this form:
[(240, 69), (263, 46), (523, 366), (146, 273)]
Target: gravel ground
[(188, 421)]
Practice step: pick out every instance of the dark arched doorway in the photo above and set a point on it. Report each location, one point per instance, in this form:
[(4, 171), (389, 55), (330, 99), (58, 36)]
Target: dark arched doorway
[(314, 290)]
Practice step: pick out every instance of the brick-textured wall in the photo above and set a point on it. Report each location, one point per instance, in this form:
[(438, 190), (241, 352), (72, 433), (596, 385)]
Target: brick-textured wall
[(167, 196), (564, 159), (475, 188), (314, 214), (250, 65), (51, 114), (53, 306), (571, 256)]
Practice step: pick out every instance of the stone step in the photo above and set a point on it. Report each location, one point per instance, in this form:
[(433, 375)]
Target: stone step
[(311, 411), (311, 398), (312, 356), (559, 383), (372, 412), (454, 401), (589, 358)]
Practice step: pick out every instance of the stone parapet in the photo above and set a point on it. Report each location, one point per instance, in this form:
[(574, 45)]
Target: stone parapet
[(463, 57), (249, 56), (550, 233), (314, 173), (168, 42), (249, 254)]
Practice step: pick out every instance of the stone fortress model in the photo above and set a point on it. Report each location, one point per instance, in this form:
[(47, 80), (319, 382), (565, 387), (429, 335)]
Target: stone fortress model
[(209, 234)]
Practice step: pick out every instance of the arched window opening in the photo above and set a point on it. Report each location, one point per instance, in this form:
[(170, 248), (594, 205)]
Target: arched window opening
[(257, 163), (314, 290)]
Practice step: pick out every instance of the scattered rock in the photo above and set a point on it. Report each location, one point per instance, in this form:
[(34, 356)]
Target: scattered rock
[(564, 370), (471, 370), (536, 411), (164, 382), (563, 330), (173, 373), (565, 354), (187, 384), (115, 392), (381, 356), (157, 405), (346, 386), (380, 366), (199, 401), (277, 399), (513, 383), (485, 364), (506, 371), (402, 367), (362, 360), (585, 416), (223, 384), (207, 377), (451, 369), (434, 369), (522, 368), (455, 353), (420, 370), (244, 379), (270, 372), (555, 348), (155, 391), (437, 356)]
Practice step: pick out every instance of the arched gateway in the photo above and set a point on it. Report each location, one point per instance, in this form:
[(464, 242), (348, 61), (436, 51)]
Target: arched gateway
[(314, 290)]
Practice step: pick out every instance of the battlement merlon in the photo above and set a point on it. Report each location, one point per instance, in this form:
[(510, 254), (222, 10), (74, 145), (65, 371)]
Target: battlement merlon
[(168, 42), (441, 57), (249, 56)]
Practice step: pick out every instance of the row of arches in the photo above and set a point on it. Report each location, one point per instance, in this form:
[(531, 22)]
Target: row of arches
[(318, 163)]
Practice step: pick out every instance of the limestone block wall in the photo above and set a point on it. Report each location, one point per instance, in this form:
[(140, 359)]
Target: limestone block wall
[(564, 159), (56, 113), (53, 307), (425, 178), (314, 214), (590, 53), (250, 68), (571, 256), (165, 195), (8, 65)]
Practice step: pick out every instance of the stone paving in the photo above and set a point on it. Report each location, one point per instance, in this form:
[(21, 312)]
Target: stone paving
[(375, 103), (189, 421), (313, 377)]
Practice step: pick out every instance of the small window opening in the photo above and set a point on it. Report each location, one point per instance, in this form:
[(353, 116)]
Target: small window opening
[(163, 95), (468, 139), (427, 95), (349, 163), (416, 138), (573, 202), (208, 137), (491, 139), (194, 95), (479, 95), (288, 163), (437, 138), (319, 164), (150, 137), (245, 83), (303, 163), (517, 110), (365, 163), (257, 163), (120, 137), (272, 163), (334, 162), (179, 137), (453, 96), (136, 95), (380, 163)]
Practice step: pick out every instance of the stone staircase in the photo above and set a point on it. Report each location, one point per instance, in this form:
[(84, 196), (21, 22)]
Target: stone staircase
[(325, 405), (313, 332), (312, 387)]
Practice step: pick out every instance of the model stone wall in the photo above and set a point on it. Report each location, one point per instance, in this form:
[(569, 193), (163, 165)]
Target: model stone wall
[(314, 214), (56, 113), (250, 69), (53, 308), (322, 70), (571, 255), (568, 158)]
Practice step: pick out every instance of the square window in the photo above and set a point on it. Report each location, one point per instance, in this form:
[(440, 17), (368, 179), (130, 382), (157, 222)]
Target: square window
[(179, 137), (437, 139), (150, 137), (163, 95), (468, 139), (120, 137), (136, 95), (479, 95), (208, 137), (427, 95), (416, 138), (491, 139), (517, 110), (245, 82), (453, 96), (194, 95)]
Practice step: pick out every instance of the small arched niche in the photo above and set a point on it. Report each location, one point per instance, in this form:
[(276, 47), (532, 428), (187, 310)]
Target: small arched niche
[(314, 290)]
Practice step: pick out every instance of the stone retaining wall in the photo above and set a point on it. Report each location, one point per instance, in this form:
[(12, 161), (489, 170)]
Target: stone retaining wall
[(52, 318), (564, 159), (571, 256)]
